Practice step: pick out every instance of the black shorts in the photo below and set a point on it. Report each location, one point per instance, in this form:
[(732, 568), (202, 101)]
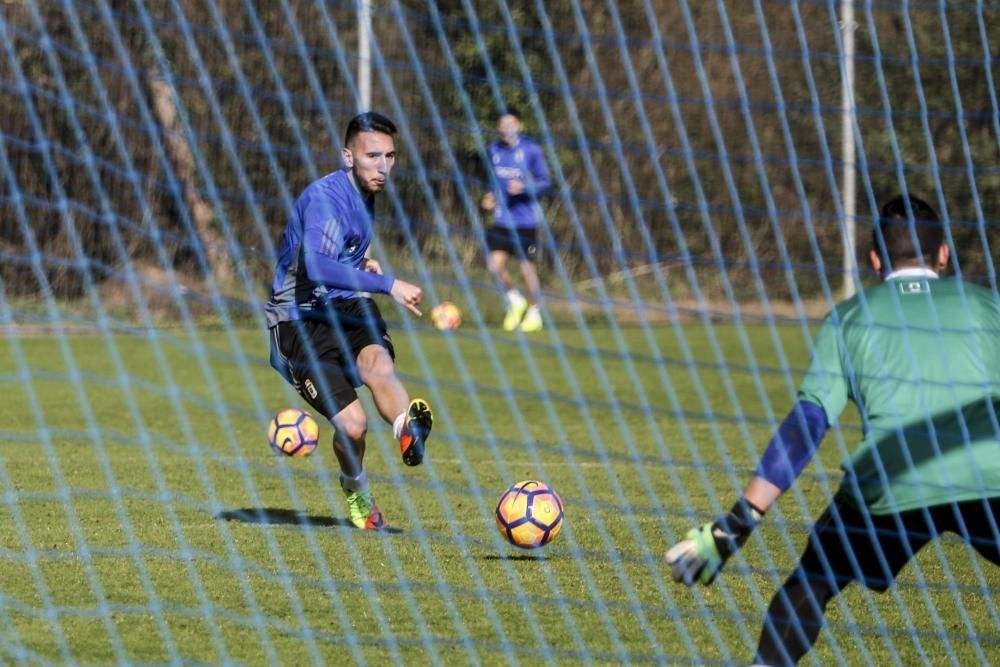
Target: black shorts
[(318, 355), (521, 242), (855, 553)]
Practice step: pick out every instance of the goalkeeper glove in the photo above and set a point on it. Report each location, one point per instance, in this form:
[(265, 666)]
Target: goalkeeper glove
[(705, 550)]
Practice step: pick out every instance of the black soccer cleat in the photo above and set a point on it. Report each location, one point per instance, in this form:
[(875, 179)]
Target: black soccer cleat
[(419, 420)]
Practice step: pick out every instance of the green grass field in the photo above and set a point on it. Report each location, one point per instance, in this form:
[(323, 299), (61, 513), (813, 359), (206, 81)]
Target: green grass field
[(145, 520)]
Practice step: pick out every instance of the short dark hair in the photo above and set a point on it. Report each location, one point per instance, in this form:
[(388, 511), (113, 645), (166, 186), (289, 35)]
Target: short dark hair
[(507, 111), (903, 236), (369, 121)]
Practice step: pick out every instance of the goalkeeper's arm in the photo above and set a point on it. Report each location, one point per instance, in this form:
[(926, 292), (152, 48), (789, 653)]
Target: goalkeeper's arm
[(703, 552)]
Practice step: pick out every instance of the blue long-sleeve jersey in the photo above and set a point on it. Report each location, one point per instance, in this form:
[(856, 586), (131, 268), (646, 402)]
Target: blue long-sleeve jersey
[(523, 161), (323, 250)]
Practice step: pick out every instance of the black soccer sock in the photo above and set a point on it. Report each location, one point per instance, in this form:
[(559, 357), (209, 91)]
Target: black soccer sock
[(347, 455), (794, 620)]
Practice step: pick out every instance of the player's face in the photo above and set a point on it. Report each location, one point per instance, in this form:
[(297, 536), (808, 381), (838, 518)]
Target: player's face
[(370, 155), (509, 128)]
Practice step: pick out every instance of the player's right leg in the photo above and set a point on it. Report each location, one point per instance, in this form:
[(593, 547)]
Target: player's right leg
[(351, 426), (794, 618), (500, 242), (496, 263), (312, 354)]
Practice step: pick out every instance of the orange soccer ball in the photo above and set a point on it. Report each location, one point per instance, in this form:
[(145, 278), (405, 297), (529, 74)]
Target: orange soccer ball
[(293, 432), (529, 514), (446, 316)]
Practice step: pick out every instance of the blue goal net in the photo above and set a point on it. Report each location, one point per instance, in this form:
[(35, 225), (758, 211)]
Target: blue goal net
[(696, 185)]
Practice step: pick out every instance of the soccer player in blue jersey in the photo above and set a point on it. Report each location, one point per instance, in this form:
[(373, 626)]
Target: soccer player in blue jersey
[(326, 338), (521, 176), (919, 356)]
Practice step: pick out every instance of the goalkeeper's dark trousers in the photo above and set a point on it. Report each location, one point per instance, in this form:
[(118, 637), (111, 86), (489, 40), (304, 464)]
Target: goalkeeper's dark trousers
[(847, 545)]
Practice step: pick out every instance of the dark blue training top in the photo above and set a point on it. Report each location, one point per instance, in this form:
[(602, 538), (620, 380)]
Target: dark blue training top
[(323, 249), (524, 162)]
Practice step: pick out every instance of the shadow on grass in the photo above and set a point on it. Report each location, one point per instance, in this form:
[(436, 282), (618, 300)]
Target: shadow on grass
[(285, 517), (515, 557)]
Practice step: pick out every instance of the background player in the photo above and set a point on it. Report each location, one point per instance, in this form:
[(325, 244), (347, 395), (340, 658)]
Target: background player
[(920, 358), (521, 176), (326, 340)]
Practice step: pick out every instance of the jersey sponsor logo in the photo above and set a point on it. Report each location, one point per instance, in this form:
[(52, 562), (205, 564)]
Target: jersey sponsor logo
[(310, 389), (914, 287), (508, 172)]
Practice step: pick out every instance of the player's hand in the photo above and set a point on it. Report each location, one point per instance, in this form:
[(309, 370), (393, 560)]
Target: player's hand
[(407, 295), (489, 202), (515, 186), (703, 552), (371, 266)]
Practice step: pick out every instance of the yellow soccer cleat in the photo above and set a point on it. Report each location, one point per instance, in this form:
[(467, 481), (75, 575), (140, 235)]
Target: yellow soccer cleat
[(532, 321), (363, 511), (514, 315)]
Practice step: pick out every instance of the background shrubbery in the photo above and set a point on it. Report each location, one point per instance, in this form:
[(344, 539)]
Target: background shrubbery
[(261, 100)]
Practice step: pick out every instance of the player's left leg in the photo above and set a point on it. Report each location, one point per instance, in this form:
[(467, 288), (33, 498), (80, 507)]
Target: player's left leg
[(845, 545), (411, 419), (532, 320), (373, 366), (979, 526), (501, 244), (528, 252)]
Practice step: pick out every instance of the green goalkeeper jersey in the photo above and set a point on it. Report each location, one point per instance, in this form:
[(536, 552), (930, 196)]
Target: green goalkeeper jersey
[(920, 358)]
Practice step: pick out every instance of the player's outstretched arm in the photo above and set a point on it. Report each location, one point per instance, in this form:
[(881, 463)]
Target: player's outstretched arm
[(703, 551), (323, 269)]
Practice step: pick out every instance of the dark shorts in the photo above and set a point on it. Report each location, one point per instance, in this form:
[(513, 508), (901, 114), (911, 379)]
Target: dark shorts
[(318, 356), (521, 242), (874, 555)]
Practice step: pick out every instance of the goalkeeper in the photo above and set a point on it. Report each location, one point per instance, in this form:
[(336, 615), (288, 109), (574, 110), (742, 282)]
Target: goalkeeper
[(920, 358)]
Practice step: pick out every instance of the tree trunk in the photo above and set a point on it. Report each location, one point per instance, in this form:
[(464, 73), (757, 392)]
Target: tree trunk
[(212, 244)]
